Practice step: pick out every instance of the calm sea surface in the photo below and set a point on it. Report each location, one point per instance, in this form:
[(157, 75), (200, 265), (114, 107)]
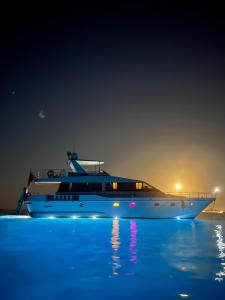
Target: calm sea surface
[(111, 259)]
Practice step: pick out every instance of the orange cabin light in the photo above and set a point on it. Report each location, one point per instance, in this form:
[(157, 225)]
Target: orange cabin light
[(114, 185), (138, 185), (116, 204)]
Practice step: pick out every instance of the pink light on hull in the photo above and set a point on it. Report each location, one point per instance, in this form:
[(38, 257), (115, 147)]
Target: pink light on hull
[(132, 204)]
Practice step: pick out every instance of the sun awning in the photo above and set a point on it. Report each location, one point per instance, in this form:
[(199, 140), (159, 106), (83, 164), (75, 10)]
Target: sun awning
[(83, 162)]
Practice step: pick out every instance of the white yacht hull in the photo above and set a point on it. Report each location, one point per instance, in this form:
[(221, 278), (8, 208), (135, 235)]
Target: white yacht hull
[(98, 206)]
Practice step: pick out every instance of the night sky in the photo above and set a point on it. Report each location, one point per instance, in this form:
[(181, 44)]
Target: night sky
[(141, 87)]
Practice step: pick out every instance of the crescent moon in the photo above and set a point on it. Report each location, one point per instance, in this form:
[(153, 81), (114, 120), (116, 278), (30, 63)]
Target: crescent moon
[(41, 114)]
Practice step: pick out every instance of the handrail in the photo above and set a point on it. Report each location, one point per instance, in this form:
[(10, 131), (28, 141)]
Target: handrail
[(193, 194), (57, 173)]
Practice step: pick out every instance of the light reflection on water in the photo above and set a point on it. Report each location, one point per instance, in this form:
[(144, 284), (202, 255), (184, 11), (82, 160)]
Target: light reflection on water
[(221, 247), (133, 241), (115, 241)]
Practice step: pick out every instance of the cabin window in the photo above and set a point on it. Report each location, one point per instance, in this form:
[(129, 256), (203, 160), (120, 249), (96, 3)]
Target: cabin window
[(86, 187), (114, 185), (126, 186), (64, 187), (110, 186), (138, 185), (147, 186), (121, 186), (156, 204), (172, 204)]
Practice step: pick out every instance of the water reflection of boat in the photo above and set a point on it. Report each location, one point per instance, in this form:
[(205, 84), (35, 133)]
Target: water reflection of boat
[(83, 193)]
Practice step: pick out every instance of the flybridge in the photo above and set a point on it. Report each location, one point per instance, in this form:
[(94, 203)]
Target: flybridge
[(76, 164), (77, 167)]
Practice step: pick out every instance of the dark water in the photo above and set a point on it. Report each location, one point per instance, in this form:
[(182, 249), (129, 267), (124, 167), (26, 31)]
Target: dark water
[(111, 259)]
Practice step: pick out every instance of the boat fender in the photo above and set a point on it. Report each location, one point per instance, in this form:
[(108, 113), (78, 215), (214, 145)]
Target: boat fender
[(50, 173)]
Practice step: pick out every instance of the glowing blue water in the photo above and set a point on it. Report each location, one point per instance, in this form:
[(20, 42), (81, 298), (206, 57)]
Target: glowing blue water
[(111, 259)]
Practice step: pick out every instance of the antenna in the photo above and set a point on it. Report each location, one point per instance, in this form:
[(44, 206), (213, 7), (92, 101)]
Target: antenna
[(74, 148)]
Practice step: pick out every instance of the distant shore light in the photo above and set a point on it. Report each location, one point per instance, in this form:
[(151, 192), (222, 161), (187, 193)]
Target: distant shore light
[(216, 189)]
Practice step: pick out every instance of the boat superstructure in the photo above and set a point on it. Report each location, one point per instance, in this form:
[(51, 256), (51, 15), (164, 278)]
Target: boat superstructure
[(79, 192)]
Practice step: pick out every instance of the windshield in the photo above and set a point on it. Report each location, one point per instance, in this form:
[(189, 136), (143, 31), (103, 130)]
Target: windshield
[(148, 187)]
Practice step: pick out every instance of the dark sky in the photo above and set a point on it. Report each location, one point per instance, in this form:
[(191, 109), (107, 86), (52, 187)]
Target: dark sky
[(139, 86)]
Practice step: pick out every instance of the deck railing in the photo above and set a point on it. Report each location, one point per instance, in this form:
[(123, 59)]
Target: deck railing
[(58, 173), (198, 195)]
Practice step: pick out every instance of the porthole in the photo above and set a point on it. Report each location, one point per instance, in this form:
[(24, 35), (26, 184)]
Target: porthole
[(172, 204), (156, 204)]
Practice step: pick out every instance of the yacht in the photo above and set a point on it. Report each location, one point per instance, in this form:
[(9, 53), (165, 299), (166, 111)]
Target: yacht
[(85, 190)]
